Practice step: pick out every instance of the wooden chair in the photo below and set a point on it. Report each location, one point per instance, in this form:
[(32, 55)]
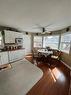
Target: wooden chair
[(37, 56), (55, 57), (34, 53)]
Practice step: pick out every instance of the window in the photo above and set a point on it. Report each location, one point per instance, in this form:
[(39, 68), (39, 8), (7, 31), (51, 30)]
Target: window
[(38, 41), (65, 42), (0, 39), (51, 41)]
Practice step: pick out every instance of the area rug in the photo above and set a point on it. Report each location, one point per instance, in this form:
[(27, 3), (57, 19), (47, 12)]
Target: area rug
[(20, 78)]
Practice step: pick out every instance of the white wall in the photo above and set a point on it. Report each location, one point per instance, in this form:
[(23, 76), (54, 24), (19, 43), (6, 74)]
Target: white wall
[(27, 43)]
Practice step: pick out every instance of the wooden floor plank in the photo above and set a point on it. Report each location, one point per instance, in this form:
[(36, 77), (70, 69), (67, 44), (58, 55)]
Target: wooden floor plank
[(48, 85)]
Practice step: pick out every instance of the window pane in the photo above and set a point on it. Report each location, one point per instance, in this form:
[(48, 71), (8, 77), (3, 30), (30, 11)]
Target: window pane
[(66, 37), (65, 47), (51, 41), (0, 40), (37, 41), (65, 42)]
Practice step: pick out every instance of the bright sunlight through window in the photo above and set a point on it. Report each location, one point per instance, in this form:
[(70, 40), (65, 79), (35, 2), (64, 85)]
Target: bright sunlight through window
[(65, 42)]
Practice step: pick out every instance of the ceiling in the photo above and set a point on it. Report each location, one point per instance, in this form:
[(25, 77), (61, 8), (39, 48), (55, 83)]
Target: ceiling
[(26, 14)]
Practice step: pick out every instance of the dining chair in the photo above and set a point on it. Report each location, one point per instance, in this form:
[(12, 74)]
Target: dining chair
[(37, 56), (55, 57)]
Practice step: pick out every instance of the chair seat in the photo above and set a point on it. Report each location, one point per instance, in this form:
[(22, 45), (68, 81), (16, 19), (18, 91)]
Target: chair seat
[(35, 55), (54, 57)]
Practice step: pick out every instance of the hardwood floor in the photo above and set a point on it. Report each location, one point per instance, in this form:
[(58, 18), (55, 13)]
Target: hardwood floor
[(55, 80)]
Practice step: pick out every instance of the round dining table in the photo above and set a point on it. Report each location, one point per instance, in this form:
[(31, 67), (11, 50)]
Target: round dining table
[(47, 55), (45, 52)]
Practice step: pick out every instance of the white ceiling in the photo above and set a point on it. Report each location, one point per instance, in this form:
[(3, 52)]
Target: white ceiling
[(25, 14)]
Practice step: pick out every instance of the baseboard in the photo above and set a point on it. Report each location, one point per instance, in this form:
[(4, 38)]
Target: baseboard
[(66, 64)]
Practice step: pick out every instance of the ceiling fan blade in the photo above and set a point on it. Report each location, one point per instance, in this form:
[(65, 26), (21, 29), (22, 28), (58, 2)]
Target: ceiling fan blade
[(41, 28), (47, 25), (46, 33), (43, 32), (35, 28), (38, 26)]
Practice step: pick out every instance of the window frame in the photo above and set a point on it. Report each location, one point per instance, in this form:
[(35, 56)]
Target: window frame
[(53, 43), (59, 41), (68, 52), (38, 42)]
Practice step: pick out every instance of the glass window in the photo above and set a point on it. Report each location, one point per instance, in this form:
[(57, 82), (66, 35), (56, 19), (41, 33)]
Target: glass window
[(37, 41), (65, 42), (51, 41), (0, 39)]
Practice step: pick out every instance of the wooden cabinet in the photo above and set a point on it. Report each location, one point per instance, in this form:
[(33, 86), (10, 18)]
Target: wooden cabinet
[(0, 59), (4, 58), (16, 55), (11, 35), (7, 37), (10, 56)]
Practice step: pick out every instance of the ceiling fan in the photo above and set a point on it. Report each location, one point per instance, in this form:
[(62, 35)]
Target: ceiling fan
[(42, 28)]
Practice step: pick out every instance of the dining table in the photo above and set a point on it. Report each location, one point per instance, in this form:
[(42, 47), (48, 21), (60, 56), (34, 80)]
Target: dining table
[(47, 56), (45, 52)]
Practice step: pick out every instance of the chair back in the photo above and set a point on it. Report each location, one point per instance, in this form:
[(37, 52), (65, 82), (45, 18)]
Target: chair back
[(35, 52), (57, 53)]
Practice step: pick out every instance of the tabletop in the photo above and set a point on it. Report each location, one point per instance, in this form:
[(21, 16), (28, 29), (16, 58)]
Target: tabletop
[(45, 52)]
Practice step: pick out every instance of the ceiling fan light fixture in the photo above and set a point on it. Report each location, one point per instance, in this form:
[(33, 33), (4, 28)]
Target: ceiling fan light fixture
[(43, 32), (47, 33), (43, 28)]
